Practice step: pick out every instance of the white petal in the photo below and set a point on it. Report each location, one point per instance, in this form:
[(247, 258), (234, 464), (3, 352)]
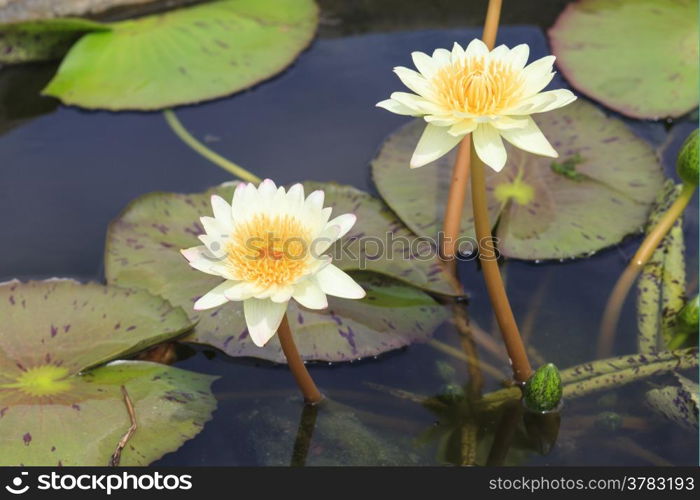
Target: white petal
[(309, 294), (537, 75), (201, 259), (222, 212), (239, 291), (462, 128), (434, 143), (398, 108), (325, 239), (500, 53), (213, 298), (344, 222), (424, 64), (282, 294), (442, 57), (295, 196), (414, 81), (545, 101), (530, 139), (457, 52), (267, 189), (508, 122), (263, 317), (335, 282), (214, 228), (416, 102), (518, 55), (315, 200), (442, 120), (476, 48), (489, 146)]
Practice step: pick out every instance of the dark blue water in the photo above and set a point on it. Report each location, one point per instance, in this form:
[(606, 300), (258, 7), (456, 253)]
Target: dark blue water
[(66, 174)]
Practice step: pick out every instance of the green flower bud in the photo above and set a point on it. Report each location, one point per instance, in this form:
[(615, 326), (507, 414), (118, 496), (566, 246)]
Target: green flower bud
[(687, 163), (688, 317), (542, 391)]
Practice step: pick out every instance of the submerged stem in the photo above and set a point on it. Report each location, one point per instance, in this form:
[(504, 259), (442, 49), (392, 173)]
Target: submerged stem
[(306, 384), (624, 283), (492, 275), (210, 155)]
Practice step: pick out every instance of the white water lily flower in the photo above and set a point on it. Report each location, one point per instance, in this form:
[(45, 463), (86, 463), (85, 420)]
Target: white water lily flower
[(268, 245), (490, 94)]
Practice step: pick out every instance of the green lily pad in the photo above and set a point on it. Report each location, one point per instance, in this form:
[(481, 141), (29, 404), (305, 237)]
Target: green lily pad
[(184, 56), (543, 208), (678, 402), (143, 252), (638, 57), (53, 411), (46, 40)]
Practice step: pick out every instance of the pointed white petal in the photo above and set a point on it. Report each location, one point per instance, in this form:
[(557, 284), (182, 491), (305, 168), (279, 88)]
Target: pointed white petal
[(263, 317), (434, 143), (398, 108), (213, 298), (424, 64), (508, 122), (239, 291), (518, 55), (414, 81), (462, 128), (324, 240), (315, 200), (282, 294), (222, 212), (531, 139), (489, 146), (267, 189), (344, 222), (545, 101), (457, 52), (537, 75), (421, 105), (335, 282), (309, 294), (476, 48), (442, 57)]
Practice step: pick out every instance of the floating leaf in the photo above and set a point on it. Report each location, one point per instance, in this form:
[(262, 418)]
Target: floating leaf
[(143, 252), (678, 402), (661, 286), (45, 40), (543, 208), (53, 412), (184, 56), (638, 57)]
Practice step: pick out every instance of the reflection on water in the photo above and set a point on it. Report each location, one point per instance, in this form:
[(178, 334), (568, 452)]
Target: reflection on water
[(66, 174)]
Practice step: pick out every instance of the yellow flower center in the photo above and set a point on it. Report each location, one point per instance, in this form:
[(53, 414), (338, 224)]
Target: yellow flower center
[(471, 85), (268, 250), (46, 380)]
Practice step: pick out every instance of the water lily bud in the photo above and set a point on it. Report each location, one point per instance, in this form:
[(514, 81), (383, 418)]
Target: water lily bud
[(687, 163), (543, 389)]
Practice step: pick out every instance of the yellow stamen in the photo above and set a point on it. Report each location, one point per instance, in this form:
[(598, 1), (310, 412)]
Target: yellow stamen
[(269, 251), (475, 86)]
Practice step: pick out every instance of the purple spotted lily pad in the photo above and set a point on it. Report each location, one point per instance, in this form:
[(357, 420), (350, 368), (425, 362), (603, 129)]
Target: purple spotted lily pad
[(59, 403), (185, 55), (638, 57), (599, 190), (143, 252)]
